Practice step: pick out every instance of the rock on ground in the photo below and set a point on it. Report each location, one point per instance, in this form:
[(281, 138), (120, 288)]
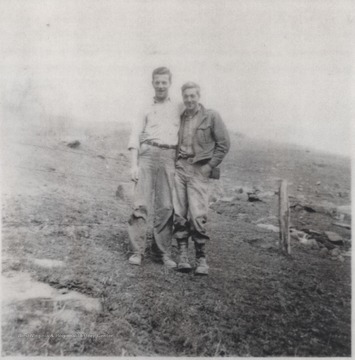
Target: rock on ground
[(334, 237)]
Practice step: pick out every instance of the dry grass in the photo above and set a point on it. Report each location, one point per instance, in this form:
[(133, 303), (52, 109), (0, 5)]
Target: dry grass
[(255, 302)]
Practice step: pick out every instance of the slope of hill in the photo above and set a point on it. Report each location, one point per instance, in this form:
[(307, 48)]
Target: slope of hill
[(69, 288)]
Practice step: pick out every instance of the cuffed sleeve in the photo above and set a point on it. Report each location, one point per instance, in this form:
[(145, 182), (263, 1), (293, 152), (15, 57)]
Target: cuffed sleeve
[(221, 138)]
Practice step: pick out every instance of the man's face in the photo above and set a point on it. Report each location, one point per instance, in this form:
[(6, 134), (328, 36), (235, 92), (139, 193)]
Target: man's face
[(191, 99), (161, 84)]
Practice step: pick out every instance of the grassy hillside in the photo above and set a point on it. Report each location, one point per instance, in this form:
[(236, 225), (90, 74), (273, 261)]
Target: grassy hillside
[(64, 234)]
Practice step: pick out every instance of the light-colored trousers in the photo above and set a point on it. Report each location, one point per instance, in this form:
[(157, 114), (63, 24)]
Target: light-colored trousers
[(190, 202), (153, 196)]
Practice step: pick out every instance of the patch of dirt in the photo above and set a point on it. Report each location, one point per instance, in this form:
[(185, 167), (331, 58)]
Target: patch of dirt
[(48, 263)]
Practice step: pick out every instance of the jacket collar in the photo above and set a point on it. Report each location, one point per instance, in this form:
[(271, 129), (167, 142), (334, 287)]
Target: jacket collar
[(201, 116)]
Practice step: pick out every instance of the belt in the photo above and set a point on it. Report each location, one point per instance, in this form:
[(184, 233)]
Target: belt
[(181, 156), (188, 158), (161, 146)]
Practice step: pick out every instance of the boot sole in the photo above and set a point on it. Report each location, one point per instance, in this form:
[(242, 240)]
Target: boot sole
[(170, 266), (201, 272), (184, 269), (134, 263)]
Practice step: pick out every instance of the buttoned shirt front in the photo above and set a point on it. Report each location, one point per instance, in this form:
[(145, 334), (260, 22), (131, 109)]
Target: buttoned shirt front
[(189, 124), (159, 122)]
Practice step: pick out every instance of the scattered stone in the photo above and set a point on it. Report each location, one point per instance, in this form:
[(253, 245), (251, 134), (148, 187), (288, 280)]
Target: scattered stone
[(120, 192), (334, 238), (271, 217), (335, 252), (212, 199), (318, 183), (340, 258), (300, 188), (312, 232), (68, 315), (216, 192), (343, 212), (309, 209), (266, 194), (125, 191), (309, 243), (80, 300), (304, 240), (49, 168), (73, 144), (252, 197), (347, 254), (20, 286), (340, 217), (322, 207), (241, 197), (21, 319), (242, 216), (324, 252), (299, 206), (269, 227), (346, 226), (313, 244), (123, 156), (296, 234), (301, 197), (228, 198)]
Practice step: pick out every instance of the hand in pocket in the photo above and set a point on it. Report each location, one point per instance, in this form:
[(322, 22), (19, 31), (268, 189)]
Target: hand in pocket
[(205, 170)]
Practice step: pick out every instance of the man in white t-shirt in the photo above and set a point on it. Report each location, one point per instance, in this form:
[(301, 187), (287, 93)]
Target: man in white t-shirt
[(152, 145)]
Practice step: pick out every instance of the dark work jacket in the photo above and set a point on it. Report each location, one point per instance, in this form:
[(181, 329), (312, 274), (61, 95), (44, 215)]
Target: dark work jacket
[(211, 140)]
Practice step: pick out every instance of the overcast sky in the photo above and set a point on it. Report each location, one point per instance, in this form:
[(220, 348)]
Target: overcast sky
[(274, 69)]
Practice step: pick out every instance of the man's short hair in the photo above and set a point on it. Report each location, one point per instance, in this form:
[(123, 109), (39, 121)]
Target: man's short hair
[(191, 85), (162, 71)]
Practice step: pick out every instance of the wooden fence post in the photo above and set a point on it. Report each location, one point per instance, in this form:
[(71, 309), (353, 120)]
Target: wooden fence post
[(284, 219)]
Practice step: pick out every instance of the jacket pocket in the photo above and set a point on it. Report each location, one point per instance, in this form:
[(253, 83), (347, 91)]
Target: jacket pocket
[(204, 133)]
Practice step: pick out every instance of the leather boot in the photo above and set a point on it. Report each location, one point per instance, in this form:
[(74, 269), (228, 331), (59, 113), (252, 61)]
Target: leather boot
[(201, 263), (168, 262), (183, 264), (135, 259)]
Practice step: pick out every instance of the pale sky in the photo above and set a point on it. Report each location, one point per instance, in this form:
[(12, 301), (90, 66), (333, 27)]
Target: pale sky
[(273, 69)]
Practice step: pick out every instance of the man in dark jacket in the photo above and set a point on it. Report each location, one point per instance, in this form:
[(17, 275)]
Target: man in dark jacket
[(203, 143)]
